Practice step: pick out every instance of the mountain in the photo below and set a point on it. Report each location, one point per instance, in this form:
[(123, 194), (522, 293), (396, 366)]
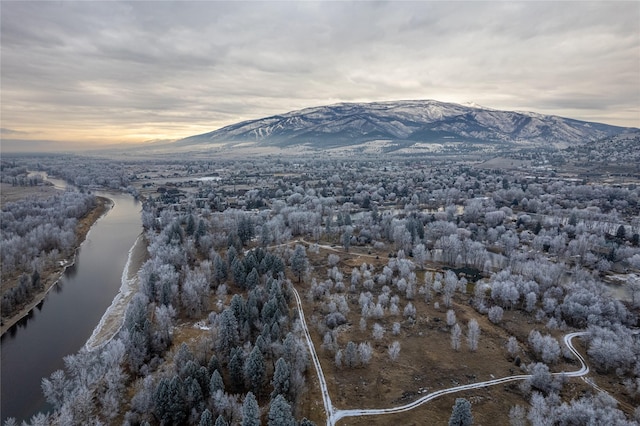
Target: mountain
[(402, 125)]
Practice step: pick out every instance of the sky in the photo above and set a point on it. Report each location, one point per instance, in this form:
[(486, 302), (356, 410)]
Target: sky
[(82, 75)]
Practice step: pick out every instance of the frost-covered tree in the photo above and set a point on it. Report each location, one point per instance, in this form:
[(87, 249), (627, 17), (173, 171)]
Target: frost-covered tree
[(546, 347), (456, 332), (255, 370), (512, 346), (409, 311), (473, 334), (495, 314), (394, 350), (365, 352), (299, 262), (461, 413), (250, 411), (281, 379), (451, 317), (280, 413), (378, 331), (518, 416), (351, 357), (206, 418), (396, 328)]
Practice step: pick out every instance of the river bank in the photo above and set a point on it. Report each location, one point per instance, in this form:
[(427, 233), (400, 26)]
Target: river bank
[(52, 275), (113, 318)]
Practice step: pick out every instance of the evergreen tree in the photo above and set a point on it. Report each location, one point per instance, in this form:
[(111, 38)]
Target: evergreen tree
[(239, 273), (238, 307), (280, 413), (193, 394), (299, 261), (220, 421), (220, 269), (252, 280), (461, 413), (227, 333), (215, 383), (255, 370), (250, 411), (232, 253), (161, 400), (191, 225), (177, 400), (206, 419), (214, 364), (236, 370), (245, 230), (281, 379)]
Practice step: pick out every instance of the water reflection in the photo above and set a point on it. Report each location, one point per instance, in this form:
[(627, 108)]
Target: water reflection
[(64, 320)]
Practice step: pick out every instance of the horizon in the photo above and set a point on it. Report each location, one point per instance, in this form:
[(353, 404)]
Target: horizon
[(84, 76), (54, 146)]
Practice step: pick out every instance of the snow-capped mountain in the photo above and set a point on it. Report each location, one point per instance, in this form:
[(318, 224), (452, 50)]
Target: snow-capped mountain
[(405, 123)]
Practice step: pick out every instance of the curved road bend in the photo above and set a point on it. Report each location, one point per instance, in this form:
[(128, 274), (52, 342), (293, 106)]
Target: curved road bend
[(339, 414), (334, 415)]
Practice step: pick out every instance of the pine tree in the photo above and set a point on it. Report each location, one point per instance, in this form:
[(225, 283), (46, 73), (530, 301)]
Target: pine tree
[(216, 383), (239, 273), (255, 370), (252, 279), (461, 413), (177, 400), (214, 364), (280, 413), (281, 379), (206, 418), (236, 370), (250, 411), (227, 333), (193, 394), (299, 261), (220, 269), (220, 421)]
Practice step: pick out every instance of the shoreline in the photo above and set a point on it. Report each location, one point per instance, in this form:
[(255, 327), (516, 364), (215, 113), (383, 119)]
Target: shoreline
[(103, 207), (113, 318)]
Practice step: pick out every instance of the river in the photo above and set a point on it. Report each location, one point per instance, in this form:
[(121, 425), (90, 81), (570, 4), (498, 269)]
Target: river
[(60, 325)]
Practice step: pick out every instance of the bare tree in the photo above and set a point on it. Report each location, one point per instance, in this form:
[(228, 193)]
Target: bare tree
[(455, 337), (473, 334), (394, 350)]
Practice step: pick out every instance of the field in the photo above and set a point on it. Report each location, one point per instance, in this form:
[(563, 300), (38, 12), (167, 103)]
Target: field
[(426, 362)]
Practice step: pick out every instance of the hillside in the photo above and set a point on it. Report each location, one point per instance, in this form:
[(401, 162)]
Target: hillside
[(404, 125)]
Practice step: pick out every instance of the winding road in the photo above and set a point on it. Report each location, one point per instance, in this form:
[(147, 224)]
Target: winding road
[(334, 415)]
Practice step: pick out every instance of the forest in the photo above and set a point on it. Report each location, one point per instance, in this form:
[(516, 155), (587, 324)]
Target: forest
[(398, 261), (38, 233)]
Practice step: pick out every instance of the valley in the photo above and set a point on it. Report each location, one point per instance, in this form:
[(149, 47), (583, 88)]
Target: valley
[(414, 276)]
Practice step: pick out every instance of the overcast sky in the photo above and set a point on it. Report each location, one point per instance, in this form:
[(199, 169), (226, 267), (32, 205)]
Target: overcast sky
[(110, 72)]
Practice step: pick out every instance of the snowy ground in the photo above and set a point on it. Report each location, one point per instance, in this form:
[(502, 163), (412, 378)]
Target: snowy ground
[(113, 318)]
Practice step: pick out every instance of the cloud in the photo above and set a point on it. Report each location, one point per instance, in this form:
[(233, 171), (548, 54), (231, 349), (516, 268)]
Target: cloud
[(11, 132), (112, 71)]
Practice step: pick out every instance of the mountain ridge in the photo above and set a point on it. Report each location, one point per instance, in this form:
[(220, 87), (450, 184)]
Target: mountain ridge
[(406, 122)]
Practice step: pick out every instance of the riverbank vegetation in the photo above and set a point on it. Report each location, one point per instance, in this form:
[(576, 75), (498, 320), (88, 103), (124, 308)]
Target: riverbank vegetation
[(416, 274), (40, 234)]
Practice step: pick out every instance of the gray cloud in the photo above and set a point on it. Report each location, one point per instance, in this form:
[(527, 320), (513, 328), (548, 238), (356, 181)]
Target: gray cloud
[(175, 68)]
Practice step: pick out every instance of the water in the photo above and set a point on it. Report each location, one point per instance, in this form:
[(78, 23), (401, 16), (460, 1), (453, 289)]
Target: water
[(35, 347)]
